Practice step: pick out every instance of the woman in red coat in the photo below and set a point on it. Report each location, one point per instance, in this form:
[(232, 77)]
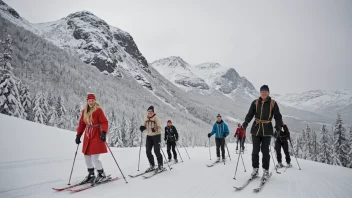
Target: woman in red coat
[(241, 137), (94, 125)]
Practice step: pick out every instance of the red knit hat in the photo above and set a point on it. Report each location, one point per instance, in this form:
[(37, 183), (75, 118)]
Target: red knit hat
[(91, 96)]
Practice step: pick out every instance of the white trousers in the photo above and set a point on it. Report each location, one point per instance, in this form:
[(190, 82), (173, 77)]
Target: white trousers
[(93, 160)]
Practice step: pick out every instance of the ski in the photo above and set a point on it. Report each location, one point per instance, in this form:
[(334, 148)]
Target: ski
[(93, 185), (246, 183), (69, 187), (155, 173), (262, 183), (211, 165), (140, 174)]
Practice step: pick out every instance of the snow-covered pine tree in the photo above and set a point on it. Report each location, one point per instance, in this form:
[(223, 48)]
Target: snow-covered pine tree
[(61, 112), (26, 101), (10, 100), (123, 130), (134, 139), (302, 145), (114, 132), (40, 109), (325, 146), (315, 147), (309, 144), (341, 144), (349, 165)]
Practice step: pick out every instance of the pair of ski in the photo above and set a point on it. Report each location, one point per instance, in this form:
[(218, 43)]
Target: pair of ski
[(216, 162), (261, 185), (154, 172), (85, 186)]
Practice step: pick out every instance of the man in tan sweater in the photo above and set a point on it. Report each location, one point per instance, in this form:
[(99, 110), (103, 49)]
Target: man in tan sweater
[(152, 124)]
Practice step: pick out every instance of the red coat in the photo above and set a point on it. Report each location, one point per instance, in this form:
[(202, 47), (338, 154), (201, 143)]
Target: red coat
[(92, 143), (240, 133)]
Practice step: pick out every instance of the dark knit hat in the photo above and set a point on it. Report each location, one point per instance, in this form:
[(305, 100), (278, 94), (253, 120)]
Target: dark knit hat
[(264, 88), (218, 115), (151, 108), (169, 121)]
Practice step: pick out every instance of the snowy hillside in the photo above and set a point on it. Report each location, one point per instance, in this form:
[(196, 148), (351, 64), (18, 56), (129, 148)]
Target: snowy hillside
[(322, 101), (178, 72), (36, 158)]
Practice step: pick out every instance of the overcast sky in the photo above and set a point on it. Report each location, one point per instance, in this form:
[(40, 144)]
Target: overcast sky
[(292, 46)]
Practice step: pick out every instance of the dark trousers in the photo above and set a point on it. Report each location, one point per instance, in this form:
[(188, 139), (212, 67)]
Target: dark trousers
[(241, 140), (220, 142), (261, 143), (171, 144), (284, 145), (154, 141)]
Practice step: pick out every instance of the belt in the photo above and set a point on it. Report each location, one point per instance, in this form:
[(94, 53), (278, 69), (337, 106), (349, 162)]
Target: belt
[(262, 121)]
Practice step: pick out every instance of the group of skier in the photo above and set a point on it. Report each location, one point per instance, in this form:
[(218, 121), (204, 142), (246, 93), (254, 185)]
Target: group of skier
[(93, 124)]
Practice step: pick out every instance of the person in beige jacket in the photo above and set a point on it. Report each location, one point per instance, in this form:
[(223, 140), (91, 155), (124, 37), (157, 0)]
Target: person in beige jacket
[(152, 124)]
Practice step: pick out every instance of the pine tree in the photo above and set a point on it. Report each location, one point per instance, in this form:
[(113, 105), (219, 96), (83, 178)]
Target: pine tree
[(341, 145), (123, 130), (349, 165), (315, 147), (325, 146), (61, 112), (41, 108), (10, 100), (134, 139), (309, 145), (302, 145), (26, 101)]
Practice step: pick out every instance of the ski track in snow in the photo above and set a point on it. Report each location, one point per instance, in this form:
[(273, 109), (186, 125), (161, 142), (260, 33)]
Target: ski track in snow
[(36, 165)]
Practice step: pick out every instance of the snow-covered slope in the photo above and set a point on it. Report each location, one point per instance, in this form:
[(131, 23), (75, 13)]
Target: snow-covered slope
[(322, 101), (178, 72), (35, 158)]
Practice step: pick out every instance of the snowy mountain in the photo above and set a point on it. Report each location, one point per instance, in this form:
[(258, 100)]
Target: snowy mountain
[(40, 158), (179, 72), (95, 42), (327, 102), (206, 77)]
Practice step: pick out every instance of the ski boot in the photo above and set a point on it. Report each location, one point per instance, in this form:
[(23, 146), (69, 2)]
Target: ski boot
[(266, 175), (161, 168), (151, 168), (170, 160), (217, 160), (289, 165), (89, 178), (176, 160), (255, 172), (279, 165), (101, 177), (223, 159)]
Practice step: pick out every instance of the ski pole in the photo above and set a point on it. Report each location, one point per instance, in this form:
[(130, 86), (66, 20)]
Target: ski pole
[(294, 154), (74, 160), (140, 147), (237, 165), (243, 164), (209, 149), (116, 163), (227, 149), (165, 158), (273, 159), (178, 152), (186, 151)]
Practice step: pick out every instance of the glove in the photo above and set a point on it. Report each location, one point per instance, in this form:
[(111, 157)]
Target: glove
[(177, 140), (209, 135), (235, 135), (103, 136), (142, 128), (244, 125), (225, 135), (153, 130), (165, 139), (78, 139)]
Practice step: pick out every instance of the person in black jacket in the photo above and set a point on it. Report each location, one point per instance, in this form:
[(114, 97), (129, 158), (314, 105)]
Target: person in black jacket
[(263, 109), (282, 139), (171, 137)]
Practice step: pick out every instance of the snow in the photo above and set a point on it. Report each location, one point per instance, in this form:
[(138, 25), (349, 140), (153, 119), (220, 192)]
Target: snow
[(233, 119), (35, 158)]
